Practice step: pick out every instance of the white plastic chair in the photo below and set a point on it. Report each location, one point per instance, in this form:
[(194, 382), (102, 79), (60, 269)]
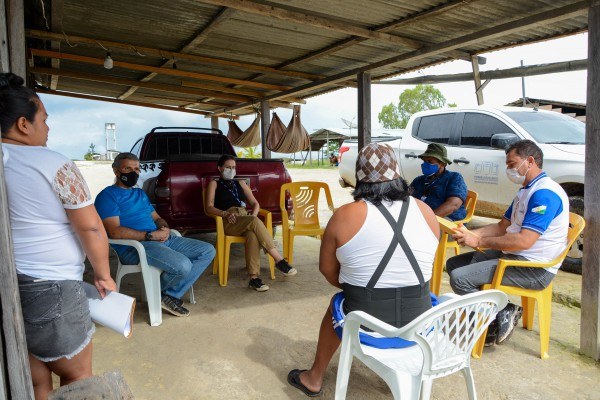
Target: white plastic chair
[(150, 275), (444, 336)]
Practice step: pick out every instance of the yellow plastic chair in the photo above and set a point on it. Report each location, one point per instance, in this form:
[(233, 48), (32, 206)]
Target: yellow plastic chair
[(440, 255), (223, 243), (528, 296), (305, 201)]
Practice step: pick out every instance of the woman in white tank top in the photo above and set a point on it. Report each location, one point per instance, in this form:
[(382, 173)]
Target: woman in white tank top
[(379, 250)]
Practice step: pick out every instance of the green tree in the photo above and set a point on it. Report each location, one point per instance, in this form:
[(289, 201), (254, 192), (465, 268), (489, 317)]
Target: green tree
[(421, 98), (250, 152), (89, 156)]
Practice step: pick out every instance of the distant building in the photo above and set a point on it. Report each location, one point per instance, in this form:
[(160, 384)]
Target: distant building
[(575, 110)]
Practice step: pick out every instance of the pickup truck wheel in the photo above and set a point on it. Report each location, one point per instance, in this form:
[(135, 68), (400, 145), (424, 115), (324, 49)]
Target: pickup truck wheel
[(573, 261)]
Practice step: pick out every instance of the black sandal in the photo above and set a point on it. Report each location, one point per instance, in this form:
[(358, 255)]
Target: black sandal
[(293, 379)]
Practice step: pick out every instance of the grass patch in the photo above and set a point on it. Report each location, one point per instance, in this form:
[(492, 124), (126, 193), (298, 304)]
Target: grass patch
[(307, 165)]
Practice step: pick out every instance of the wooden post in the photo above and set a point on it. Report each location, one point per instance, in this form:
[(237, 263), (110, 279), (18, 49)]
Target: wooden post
[(4, 53), (590, 288), (13, 331), (477, 80), (16, 37), (214, 122), (265, 122), (364, 109)]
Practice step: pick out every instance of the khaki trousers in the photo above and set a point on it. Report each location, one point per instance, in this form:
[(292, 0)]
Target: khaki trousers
[(255, 232)]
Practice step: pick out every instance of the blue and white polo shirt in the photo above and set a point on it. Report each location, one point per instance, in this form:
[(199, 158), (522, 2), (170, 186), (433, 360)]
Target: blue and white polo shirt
[(543, 207)]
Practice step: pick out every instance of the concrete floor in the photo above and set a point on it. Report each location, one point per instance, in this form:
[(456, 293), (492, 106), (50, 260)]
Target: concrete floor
[(240, 344)]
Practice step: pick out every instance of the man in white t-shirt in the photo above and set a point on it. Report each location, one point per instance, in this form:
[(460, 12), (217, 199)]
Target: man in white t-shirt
[(534, 228)]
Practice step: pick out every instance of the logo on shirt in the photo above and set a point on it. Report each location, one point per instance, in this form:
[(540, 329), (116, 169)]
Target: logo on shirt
[(539, 209)]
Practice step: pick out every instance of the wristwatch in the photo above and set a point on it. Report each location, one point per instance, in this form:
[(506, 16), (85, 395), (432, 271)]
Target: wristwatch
[(148, 236)]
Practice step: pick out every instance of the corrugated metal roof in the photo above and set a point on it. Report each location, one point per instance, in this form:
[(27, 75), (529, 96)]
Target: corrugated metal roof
[(242, 48)]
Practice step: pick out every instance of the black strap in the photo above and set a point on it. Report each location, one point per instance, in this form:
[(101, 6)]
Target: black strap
[(397, 239)]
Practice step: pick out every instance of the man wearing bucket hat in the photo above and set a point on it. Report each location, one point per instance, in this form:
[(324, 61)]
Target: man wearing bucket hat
[(390, 285), (443, 190)]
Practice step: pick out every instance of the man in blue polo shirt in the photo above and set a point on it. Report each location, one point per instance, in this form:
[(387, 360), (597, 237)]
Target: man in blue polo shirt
[(534, 228), (442, 190), (126, 213)]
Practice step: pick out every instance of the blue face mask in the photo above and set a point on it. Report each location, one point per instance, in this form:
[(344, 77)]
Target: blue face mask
[(429, 169)]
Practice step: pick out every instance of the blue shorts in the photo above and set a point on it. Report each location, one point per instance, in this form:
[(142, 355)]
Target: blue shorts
[(367, 338), (56, 317)]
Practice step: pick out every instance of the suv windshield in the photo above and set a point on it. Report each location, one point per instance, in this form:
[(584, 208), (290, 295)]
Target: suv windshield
[(551, 128)]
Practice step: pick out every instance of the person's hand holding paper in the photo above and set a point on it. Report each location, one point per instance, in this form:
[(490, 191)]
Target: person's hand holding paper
[(465, 237)]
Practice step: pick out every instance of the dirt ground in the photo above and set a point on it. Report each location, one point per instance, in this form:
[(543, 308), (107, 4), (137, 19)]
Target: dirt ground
[(240, 344)]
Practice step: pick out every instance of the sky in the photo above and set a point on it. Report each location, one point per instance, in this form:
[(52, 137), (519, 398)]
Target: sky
[(75, 123)]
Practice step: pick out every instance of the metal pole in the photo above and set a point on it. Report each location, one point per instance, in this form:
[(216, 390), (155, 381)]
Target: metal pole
[(523, 88)]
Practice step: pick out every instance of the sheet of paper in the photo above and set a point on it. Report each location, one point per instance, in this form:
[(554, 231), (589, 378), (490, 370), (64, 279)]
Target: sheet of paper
[(115, 311)]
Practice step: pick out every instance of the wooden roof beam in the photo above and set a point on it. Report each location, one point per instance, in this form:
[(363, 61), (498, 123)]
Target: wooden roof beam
[(148, 68), (222, 16), (530, 70), (80, 40), (128, 102), (148, 85), (558, 14), (239, 91)]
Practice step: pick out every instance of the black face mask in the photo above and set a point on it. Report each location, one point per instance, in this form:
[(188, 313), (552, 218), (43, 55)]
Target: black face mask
[(129, 179)]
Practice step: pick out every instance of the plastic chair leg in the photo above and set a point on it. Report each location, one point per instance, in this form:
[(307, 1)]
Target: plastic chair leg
[(216, 264), (120, 275), (152, 287), (544, 318), (528, 304), (470, 382), (478, 348), (225, 266), (191, 294), (290, 246), (271, 265), (426, 385), (343, 375)]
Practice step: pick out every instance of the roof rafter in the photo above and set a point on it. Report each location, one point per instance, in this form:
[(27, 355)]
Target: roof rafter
[(32, 33), (558, 14), (148, 85), (131, 103), (148, 68)]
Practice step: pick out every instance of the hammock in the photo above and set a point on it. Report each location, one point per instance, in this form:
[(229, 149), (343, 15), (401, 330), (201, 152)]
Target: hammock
[(248, 138), (287, 140)]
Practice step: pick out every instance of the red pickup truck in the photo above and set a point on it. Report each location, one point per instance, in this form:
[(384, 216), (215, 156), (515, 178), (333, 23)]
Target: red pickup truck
[(177, 163)]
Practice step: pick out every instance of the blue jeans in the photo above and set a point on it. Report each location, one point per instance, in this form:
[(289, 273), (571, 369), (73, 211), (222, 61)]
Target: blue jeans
[(182, 261)]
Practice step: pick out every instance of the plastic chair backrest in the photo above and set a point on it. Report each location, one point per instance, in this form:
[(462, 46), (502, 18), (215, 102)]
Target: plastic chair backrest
[(470, 204), (305, 201), (449, 331), (576, 225)]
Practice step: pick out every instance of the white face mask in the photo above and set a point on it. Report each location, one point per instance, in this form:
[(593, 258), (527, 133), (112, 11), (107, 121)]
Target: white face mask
[(228, 173), (513, 174)]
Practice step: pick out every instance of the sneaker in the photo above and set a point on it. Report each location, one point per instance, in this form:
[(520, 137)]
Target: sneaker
[(285, 268), (492, 333), (507, 320), (179, 302), (172, 305), (258, 285)]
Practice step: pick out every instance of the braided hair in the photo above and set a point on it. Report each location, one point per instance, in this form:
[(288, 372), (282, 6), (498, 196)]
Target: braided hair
[(16, 101)]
